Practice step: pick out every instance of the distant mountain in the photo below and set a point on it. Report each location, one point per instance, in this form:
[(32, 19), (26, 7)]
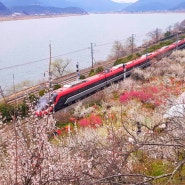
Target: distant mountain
[(88, 5), (153, 5), (4, 10), (100, 5), (57, 3), (37, 9), (180, 6), (12, 3), (84, 6), (30, 7)]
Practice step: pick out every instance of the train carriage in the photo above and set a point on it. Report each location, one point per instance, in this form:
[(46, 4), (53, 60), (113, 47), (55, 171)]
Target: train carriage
[(79, 89)]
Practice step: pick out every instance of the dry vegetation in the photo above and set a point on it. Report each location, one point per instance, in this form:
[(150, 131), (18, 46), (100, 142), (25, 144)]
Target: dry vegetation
[(120, 137)]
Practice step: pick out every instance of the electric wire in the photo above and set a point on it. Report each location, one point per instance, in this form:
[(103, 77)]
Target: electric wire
[(44, 59), (82, 57), (56, 56)]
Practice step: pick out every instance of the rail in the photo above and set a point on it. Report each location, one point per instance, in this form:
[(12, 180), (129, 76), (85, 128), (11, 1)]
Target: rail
[(19, 96)]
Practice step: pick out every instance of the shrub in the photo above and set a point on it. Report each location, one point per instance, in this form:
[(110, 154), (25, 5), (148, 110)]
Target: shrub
[(122, 60), (56, 86), (82, 77), (7, 111), (135, 94), (158, 46), (63, 118), (92, 72), (23, 109), (84, 122), (130, 57), (157, 167), (149, 106), (146, 95), (93, 121), (97, 98), (182, 37), (33, 98), (119, 61), (115, 94), (138, 75), (81, 111), (138, 54), (42, 92), (99, 69), (127, 59)]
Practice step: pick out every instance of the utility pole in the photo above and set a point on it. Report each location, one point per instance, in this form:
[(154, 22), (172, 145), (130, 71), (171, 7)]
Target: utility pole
[(50, 81), (177, 38), (2, 94), (50, 75), (169, 29), (15, 131), (77, 70), (92, 55), (157, 34)]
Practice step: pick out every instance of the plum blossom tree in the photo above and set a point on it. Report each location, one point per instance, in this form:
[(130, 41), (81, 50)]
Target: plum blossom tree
[(59, 67), (138, 145), (155, 35)]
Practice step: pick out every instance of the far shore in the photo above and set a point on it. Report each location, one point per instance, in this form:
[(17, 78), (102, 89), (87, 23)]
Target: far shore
[(27, 17)]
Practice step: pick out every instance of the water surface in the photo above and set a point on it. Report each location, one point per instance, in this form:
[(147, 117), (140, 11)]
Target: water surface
[(27, 41)]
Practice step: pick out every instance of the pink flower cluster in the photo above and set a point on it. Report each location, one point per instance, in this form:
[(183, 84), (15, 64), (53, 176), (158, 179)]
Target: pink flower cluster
[(147, 94), (93, 121), (143, 96)]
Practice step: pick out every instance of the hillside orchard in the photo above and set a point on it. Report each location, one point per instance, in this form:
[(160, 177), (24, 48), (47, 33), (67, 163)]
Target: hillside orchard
[(120, 136)]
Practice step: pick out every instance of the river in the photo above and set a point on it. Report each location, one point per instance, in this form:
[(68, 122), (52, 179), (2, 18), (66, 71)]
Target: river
[(24, 44)]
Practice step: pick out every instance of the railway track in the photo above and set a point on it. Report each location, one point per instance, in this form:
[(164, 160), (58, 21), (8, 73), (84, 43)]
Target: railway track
[(19, 96), (33, 90)]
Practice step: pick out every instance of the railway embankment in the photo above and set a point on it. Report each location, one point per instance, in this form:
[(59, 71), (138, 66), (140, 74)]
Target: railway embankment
[(18, 96)]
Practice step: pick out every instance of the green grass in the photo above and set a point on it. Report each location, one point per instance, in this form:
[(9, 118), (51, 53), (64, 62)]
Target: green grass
[(147, 50)]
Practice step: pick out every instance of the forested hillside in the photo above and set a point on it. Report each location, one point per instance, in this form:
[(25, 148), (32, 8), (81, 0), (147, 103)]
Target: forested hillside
[(154, 5), (86, 5), (4, 10)]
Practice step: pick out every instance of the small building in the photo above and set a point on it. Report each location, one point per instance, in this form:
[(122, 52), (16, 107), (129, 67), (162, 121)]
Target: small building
[(16, 14)]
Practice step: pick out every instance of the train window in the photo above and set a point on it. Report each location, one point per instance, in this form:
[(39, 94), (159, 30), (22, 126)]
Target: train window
[(53, 97), (106, 70), (164, 47), (129, 62), (117, 66), (74, 83), (67, 86)]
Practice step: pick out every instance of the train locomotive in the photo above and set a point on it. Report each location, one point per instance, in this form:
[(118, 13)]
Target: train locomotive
[(79, 89)]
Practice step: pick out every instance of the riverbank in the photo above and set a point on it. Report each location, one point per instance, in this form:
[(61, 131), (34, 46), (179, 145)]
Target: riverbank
[(27, 17)]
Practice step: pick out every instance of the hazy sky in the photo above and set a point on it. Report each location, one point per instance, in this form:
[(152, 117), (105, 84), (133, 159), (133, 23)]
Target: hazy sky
[(126, 1)]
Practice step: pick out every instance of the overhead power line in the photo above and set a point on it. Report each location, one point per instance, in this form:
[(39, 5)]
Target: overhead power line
[(18, 65), (63, 54), (41, 60)]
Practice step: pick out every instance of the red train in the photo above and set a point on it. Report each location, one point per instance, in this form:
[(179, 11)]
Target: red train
[(74, 91)]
